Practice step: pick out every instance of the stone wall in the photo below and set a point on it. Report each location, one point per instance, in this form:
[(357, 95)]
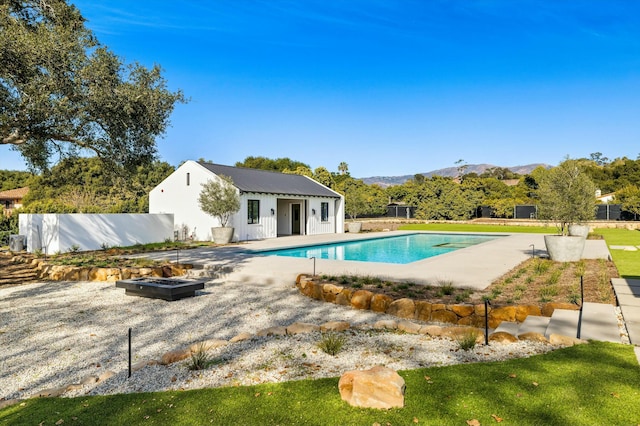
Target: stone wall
[(422, 310), (48, 272)]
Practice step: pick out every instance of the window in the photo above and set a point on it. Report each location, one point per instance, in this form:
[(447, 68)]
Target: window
[(188, 179), (253, 211), (324, 212)]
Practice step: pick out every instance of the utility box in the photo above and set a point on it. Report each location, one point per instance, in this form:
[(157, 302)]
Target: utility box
[(17, 242)]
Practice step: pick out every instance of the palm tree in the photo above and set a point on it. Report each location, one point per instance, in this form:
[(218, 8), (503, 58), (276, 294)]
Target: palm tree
[(343, 168)]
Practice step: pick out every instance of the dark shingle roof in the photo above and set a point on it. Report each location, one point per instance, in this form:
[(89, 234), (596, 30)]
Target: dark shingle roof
[(264, 181)]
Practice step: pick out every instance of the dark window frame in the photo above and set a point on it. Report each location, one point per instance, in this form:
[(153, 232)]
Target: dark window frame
[(324, 211), (253, 212)]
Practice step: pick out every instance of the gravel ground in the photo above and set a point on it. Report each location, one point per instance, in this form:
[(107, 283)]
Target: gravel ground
[(55, 334)]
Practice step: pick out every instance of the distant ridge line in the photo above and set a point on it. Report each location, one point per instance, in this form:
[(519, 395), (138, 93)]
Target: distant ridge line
[(385, 181)]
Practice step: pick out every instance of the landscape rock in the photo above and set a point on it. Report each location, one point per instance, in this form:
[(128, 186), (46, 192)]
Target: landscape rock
[(380, 302), (431, 330), (444, 317), (51, 392), (273, 331), (344, 298), (335, 326), (502, 337), (422, 310), (548, 308), (386, 324), (175, 356), (523, 311), (241, 337), (361, 299), (302, 327), (330, 292), (380, 387), (463, 310), (403, 308), (409, 327), (532, 336), (560, 340)]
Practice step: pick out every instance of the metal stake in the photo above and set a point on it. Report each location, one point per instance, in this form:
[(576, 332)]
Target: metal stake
[(581, 305), (533, 250), (314, 265), (486, 322), (129, 351)]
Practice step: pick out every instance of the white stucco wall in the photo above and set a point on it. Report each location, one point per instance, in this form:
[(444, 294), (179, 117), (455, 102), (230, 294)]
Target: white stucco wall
[(54, 233)]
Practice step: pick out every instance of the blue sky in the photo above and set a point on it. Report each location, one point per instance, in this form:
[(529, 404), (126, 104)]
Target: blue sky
[(389, 87)]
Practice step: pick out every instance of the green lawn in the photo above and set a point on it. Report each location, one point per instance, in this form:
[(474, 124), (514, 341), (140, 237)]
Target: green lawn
[(470, 227), (598, 383), (627, 262)]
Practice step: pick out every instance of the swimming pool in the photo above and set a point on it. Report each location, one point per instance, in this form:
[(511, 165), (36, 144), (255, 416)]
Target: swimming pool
[(400, 249)]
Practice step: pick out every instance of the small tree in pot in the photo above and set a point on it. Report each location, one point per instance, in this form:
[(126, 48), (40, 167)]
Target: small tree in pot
[(219, 198), (566, 197)]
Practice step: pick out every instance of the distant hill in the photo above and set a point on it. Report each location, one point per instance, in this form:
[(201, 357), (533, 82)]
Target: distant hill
[(385, 181)]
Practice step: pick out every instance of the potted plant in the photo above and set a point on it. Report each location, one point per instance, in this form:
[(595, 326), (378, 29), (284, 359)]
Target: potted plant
[(566, 197), (355, 203), (219, 198)]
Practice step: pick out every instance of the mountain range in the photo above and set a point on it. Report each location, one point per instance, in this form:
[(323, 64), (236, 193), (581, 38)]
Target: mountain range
[(385, 181)]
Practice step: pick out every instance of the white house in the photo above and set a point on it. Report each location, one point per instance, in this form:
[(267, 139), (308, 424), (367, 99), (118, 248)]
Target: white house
[(272, 204)]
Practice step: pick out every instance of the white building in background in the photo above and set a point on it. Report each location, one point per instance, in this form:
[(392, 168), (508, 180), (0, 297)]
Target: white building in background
[(272, 204)]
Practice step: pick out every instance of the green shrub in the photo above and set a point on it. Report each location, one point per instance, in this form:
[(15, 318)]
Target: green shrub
[(332, 343), (446, 287), (467, 341), (200, 359)]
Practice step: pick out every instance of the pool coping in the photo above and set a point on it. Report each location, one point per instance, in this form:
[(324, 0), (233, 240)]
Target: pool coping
[(473, 267)]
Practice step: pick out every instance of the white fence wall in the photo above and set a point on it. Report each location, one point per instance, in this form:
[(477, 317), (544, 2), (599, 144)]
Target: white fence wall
[(54, 233)]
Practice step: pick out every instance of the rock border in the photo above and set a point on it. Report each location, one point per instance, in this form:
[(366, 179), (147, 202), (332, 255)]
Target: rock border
[(453, 332), (462, 314), (48, 272)]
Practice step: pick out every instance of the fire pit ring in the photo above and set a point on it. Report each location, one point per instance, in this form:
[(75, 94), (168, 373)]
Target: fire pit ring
[(168, 289)]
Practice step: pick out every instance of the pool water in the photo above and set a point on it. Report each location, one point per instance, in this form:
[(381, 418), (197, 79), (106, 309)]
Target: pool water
[(400, 249)]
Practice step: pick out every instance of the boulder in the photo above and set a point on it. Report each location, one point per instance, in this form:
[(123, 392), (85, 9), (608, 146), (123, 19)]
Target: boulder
[(386, 325), (472, 320), (380, 302), (532, 336), (502, 337), (344, 298), (422, 310), (431, 330), (207, 345), (403, 308), (560, 340), (272, 331), (444, 316), (548, 308), (335, 326), (409, 327), (380, 387), (175, 356), (330, 292), (463, 310), (302, 327), (523, 311), (457, 333), (241, 337), (361, 299), (51, 392)]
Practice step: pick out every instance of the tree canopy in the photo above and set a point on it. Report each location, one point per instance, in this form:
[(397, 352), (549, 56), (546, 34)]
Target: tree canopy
[(277, 165), (62, 93)]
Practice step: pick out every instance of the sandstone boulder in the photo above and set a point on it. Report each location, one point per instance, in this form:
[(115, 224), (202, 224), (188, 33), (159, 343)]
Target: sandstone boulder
[(523, 311), (386, 325), (241, 337), (344, 298), (463, 310), (330, 292), (444, 316), (422, 310), (409, 327), (272, 331), (379, 387), (532, 336), (302, 327), (175, 356), (548, 308), (431, 330), (502, 337), (361, 299), (403, 308), (335, 326), (380, 302), (560, 340)]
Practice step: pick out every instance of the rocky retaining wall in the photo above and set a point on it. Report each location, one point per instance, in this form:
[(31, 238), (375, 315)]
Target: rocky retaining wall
[(422, 310), (49, 272)]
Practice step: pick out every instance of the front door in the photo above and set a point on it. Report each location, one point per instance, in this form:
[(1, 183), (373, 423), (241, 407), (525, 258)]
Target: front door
[(295, 219)]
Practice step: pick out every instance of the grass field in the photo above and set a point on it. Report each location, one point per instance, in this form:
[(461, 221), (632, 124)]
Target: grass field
[(597, 383)]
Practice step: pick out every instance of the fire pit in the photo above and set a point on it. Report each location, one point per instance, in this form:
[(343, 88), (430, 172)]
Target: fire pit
[(169, 289)]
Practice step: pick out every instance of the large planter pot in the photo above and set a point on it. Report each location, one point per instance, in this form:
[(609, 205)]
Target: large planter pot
[(579, 230), (354, 227), (564, 248), (222, 235)]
